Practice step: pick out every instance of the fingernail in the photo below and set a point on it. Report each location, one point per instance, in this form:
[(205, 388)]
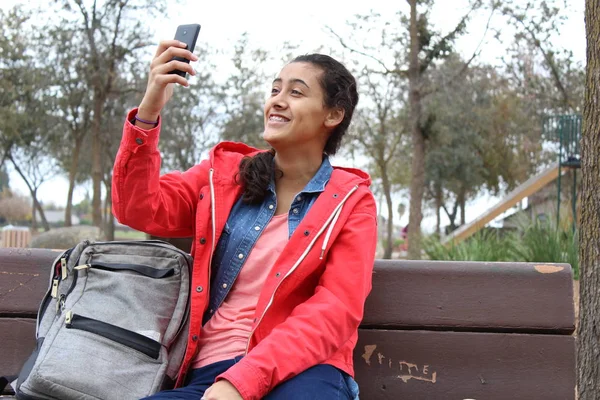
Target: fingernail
[(194, 57), (182, 44)]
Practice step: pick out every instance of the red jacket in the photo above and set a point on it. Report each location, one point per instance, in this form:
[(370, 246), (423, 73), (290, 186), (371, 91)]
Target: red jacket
[(308, 311)]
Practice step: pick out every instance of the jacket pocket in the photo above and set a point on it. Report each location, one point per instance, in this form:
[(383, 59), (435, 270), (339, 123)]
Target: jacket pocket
[(133, 340)]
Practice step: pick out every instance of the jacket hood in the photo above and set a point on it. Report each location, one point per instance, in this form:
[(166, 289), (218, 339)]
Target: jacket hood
[(227, 152), (352, 176), (229, 155)]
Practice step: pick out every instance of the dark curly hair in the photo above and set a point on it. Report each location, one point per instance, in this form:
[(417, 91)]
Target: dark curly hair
[(340, 91)]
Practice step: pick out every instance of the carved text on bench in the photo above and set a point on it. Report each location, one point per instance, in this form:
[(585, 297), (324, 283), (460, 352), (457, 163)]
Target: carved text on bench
[(422, 374)]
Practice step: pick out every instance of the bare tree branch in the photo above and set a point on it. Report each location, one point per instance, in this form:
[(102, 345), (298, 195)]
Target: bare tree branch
[(476, 52), (362, 53), (439, 46)]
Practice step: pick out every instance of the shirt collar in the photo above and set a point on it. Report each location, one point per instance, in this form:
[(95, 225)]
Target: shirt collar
[(317, 183)]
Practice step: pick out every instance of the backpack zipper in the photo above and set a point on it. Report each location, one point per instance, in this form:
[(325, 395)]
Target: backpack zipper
[(133, 340), (141, 269), (49, 293)]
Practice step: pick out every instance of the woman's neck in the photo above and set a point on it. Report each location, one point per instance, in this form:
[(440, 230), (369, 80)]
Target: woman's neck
[(298, 169)]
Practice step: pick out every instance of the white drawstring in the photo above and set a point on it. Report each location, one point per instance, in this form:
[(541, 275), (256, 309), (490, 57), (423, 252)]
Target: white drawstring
[(331, 223), (212, 209), (330, 229)]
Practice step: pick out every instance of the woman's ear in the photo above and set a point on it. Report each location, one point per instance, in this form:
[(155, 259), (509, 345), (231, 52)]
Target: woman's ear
[(335, 117)]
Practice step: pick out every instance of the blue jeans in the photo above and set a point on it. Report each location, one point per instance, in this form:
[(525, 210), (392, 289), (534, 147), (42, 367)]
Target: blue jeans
[(319, 382)]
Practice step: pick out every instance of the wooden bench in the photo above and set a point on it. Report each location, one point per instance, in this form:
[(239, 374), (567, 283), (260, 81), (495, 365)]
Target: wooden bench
[(432, 330)]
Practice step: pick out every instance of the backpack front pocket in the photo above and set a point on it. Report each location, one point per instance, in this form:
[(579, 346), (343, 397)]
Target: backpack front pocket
[(133, 340), (143, 298), (100, 360)]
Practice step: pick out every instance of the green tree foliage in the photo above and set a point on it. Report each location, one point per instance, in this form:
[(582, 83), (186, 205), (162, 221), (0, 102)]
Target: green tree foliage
[(480, 136), (4, 180), (381, 131), (71, 104), (26, 127), (416, 46), (243, 96), (535, 62), (113, 32), (189, 119)]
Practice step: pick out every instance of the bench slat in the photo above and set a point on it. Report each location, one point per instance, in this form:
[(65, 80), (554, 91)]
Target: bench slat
[(463, 365), (501, 297), (24, 277), (17, 341)]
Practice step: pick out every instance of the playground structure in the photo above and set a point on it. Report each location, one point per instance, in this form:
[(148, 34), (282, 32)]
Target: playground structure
[(563, 131)]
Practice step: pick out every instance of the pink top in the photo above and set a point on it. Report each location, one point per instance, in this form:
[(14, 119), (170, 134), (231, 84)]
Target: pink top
[(226, 334)]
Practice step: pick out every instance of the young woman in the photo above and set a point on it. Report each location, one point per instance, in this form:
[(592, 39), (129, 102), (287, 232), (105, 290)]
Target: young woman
[(284, 243)]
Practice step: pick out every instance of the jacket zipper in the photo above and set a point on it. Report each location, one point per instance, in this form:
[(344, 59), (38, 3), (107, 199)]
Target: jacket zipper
[(212, 251), (213, 210), (302, 257), (133, 340)]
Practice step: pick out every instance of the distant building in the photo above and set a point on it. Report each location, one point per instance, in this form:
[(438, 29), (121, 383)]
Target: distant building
[(57, 217)]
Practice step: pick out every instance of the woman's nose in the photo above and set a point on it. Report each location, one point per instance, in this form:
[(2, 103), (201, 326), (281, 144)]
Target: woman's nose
[(279, 101)]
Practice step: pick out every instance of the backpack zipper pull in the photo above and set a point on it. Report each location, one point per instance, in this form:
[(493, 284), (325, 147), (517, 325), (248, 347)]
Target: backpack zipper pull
[(83, 266), (60, 304), (68, 318), (63, 268), (54, 291)]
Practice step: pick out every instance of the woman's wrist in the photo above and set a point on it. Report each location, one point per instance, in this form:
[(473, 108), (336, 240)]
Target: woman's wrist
[(145, 119)]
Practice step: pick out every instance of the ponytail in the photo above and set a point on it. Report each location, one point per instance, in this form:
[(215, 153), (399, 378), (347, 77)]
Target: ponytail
[(255, 175)]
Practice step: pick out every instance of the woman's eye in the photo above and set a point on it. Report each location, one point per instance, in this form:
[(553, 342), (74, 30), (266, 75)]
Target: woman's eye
[(296, 92), (274, 91)]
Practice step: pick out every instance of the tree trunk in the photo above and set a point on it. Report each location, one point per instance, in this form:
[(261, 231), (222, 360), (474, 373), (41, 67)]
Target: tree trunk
[(438, 210), (417, 182), (588, 352), (36, 204), (461, 201), (40, 210), (34, 226), (72, 175), (452, 216), (387, 190), (109, 230), (97, 160)]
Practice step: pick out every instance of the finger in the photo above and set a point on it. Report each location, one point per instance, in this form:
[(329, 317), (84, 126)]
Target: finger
[(165, 44), (166, 79), (174, 65), (171, 52)]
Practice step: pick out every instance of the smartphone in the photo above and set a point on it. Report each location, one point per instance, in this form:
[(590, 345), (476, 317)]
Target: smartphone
[(188, 35)]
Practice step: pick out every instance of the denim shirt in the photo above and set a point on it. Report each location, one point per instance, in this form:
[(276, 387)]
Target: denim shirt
[(245, 225)]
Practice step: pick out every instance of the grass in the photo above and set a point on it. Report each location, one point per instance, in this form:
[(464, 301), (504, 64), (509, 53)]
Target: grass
[(534, 242), (129, 235)]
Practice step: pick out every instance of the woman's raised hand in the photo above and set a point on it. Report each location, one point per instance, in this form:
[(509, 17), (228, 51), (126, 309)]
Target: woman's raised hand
[(160, 82)]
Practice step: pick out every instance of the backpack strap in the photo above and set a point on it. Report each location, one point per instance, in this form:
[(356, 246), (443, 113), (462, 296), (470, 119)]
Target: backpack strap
[(5, 381)]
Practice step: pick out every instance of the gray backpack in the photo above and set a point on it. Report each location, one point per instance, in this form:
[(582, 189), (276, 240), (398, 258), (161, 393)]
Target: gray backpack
[(113, 323)]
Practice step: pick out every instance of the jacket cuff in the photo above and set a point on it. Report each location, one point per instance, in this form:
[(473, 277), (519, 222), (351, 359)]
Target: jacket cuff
[(247, 381), (139, 140)]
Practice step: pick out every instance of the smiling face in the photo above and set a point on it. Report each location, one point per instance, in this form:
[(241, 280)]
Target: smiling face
[(295, 114)]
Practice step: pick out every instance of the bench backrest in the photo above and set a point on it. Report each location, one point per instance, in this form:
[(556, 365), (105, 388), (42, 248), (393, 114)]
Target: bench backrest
[(432, 330)]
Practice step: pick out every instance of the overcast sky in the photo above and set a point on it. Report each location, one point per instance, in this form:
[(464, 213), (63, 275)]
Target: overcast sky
[(269, 24)]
